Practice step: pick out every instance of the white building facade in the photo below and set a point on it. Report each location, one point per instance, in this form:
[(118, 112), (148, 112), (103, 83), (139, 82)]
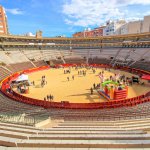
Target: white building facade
[(134, 27), (113, 27), (121, 27)]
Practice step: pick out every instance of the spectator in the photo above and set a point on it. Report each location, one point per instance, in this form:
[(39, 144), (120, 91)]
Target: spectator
[(68, 78), (94, 85), (52, 97), (73, 77), (119, 87), (48, 97), (91, 91)]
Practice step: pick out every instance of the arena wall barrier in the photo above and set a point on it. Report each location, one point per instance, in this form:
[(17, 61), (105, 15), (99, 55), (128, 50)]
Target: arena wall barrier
[(66, 105)]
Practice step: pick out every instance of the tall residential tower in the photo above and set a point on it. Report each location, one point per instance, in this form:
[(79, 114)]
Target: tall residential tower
[(3, 21)]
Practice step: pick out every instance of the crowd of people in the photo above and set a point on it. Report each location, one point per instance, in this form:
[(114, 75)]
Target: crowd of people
[(82, 71), (49, 98), (43, 81), (68, 71)]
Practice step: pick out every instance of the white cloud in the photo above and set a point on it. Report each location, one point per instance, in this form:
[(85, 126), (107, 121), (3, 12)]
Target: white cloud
[(94, 12), (131, 2), (30, 34), (15, 11), (147, 13)]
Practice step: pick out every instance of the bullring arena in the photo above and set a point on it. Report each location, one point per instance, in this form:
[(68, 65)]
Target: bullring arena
[(76, 93), (77, 90)]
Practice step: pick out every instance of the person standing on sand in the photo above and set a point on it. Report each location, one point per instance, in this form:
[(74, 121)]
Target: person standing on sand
[(52, 97), (91, 91), (94, 85), (73, 77), (48, 97)]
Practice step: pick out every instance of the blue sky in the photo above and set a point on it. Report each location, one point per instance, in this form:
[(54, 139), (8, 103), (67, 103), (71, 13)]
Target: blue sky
[(64, 17)]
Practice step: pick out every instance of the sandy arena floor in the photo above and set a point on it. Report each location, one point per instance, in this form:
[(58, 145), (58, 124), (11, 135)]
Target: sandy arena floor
[(77, 90)]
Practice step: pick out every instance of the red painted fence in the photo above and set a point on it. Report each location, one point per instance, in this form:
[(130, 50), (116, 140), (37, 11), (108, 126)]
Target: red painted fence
[(46, 104)]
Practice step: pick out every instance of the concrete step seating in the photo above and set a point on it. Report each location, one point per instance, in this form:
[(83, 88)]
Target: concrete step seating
[(8, 106), (77, 134), (129, 121), (108, 123), (14, 142), (22, 148), (40, 63), (3, 73), (20, 66)]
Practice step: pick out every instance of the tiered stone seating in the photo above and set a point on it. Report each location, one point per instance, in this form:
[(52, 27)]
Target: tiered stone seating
[(33, 54), (142, 65), (12, 57), (50, 54), (107, 53), (77, 134), (20, 66), (138, 111), (4, 73), (5, 58), (10, 108), (40, 63), (78, 60), (56, 62), (97, 60), (69, 54), (42, 54), (103, 53), (81, 52)]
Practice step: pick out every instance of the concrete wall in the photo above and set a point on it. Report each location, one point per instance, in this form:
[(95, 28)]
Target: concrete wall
[(146, 24), (134, 27)]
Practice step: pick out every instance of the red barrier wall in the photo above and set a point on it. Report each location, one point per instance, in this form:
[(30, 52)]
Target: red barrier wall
[(111, 104)]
